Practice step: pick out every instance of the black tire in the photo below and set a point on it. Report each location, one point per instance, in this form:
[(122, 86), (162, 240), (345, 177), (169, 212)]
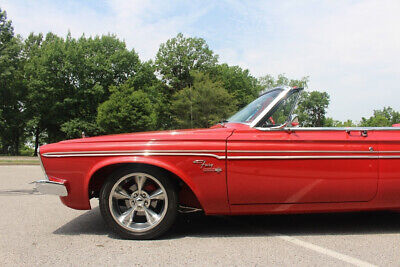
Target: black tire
[(113, 208)]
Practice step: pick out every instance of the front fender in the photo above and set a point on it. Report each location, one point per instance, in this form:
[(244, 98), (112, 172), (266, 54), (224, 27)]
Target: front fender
[(209, 187), (143, 160)]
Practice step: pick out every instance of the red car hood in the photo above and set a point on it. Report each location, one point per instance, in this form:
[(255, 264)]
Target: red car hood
[(214, 133)]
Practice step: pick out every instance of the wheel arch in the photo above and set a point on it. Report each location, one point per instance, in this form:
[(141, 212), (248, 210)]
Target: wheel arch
[(188, 194)]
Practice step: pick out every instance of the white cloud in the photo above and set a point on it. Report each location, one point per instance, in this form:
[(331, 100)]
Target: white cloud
[(146, 27), (142, 24), (349, 49)]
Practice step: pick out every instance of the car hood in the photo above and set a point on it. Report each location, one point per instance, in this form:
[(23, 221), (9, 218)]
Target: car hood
[(214, 133)]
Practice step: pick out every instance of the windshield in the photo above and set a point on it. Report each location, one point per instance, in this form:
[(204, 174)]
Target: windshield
[(252, 110), (282, 111)]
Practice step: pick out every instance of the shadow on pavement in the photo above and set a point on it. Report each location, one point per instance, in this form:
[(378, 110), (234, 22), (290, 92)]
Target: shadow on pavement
[(89, 223), (198, 225)]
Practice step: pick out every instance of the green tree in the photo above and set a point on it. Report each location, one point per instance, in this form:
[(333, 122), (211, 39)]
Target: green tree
[(382, 118), (127, 110), (269, 81), (203, 104), (159, 93), (68, 79), (238, 82), (330, 122), (179, 55), (12, 89), (92, 66), (312, 108), (1, 127), (47, 87)]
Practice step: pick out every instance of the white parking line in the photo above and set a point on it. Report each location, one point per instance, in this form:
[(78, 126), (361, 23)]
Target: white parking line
[(310, 246), (325, 251)]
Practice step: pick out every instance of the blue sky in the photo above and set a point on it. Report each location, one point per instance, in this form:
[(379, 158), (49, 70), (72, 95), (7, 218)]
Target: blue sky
[(351, 49)]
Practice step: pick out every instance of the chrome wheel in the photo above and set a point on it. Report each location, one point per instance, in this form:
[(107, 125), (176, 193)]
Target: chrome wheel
[(138, 202)]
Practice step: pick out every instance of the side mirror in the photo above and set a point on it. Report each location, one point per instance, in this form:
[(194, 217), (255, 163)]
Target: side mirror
[(294, 121)]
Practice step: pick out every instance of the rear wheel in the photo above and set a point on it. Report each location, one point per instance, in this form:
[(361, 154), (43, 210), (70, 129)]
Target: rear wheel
[(139, 203)]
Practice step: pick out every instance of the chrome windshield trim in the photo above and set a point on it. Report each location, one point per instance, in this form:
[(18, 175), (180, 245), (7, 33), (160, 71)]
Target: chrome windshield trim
[(285, 91)]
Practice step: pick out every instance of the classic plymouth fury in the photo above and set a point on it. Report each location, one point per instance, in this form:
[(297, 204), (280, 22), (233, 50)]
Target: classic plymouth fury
[(258, 162)]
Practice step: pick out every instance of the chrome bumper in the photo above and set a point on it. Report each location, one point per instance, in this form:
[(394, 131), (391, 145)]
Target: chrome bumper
[(51, 188)]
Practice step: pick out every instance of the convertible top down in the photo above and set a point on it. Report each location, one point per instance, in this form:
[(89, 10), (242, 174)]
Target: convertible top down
[(258, 162)]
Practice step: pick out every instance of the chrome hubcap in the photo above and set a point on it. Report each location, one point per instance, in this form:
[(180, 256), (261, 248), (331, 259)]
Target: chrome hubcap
[(138, 202)]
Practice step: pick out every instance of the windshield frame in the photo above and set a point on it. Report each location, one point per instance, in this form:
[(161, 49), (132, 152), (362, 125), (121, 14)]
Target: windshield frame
[(275, 91), (259, 118), (273, 109), (271, 106)]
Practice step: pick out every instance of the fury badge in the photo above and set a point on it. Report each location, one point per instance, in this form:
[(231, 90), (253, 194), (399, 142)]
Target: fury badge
[(207, 167)]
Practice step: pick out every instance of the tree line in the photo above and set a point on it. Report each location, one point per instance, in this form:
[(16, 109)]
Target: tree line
[(54, 88)]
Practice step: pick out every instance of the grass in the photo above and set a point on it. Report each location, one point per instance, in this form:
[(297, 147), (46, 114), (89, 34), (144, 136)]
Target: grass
[(18, 160)]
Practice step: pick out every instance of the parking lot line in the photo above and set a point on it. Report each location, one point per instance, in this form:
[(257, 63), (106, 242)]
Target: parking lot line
[(325, 251)]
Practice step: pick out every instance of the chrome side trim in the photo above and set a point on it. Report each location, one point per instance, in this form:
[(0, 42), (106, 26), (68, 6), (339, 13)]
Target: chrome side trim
[(304, 157), (194, 153), (308, 151), (51, 188), (134, 154), (131, 151)]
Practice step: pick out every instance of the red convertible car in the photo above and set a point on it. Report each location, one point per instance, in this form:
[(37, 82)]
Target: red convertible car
[(258, 162)]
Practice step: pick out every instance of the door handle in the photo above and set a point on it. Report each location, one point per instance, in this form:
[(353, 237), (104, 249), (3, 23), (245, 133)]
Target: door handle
[(363, 133)]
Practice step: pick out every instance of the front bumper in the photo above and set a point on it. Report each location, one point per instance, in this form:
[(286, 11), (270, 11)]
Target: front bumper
[(51, 188)]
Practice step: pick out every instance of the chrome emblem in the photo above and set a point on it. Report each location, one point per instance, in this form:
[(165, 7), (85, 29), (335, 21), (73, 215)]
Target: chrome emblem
[(207, 167)]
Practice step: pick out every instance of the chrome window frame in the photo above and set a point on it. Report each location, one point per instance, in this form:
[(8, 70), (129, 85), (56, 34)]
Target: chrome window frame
[(269, 107), (282, 95)]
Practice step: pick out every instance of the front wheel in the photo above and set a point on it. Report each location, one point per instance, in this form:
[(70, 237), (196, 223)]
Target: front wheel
[(139, 203)]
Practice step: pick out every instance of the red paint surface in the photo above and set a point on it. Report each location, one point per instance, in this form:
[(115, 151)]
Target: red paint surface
[(267, 181), (250, 186)]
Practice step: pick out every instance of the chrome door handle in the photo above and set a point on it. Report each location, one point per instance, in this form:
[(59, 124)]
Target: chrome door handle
[(363, 133)]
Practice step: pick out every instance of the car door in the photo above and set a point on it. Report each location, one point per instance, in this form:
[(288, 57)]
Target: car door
[(301, 166)]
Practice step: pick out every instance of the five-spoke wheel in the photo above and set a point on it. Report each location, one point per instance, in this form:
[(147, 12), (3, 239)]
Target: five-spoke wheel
[(139, 203)]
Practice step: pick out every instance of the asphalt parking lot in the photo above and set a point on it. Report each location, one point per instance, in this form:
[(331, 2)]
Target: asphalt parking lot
[(38, 230)]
